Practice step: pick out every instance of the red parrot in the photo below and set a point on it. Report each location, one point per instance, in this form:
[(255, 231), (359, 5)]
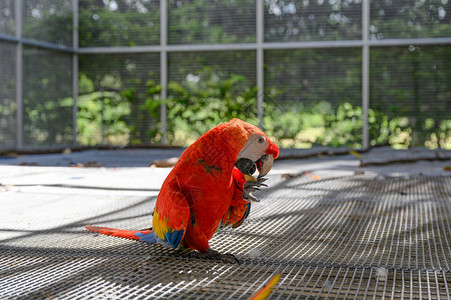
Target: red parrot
[(207, 188)]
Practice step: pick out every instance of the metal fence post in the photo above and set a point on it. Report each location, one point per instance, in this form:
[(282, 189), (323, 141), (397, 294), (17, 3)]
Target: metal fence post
[(260, 61), (75, 68), (163, 65), (365, 71), (19, 75)]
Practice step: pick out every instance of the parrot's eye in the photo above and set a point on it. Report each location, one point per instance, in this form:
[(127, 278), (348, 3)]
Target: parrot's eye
[(261, 140)]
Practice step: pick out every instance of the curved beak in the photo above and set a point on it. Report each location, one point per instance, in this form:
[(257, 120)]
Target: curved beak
[(264, 164)]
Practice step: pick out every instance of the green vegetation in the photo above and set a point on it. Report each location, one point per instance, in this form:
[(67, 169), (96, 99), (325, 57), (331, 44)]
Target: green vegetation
[(112, 23), (195, 107), (312, 96), (48, 20), (47, 105), (211, 22)]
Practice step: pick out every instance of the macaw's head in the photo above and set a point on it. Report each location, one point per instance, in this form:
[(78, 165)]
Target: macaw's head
[(256, 151)]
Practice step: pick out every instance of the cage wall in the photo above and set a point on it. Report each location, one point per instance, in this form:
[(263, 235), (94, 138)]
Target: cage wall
[(37, 72), (145, 72)]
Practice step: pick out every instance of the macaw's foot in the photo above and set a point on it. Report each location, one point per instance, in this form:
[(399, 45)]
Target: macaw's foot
[(252, 186), (213, 254)]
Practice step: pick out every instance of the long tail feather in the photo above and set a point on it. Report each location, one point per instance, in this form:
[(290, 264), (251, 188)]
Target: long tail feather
[(126, 234), (266, 290)]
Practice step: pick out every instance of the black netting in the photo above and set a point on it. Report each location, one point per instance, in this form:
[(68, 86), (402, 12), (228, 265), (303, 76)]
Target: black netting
[(410, 96), (119, 99), (208, 88), (211, 22), (48, 21), (7, 17), (119, 23), (8, 129), (47, 98), (300, 20), (410, 19), (313, 97)]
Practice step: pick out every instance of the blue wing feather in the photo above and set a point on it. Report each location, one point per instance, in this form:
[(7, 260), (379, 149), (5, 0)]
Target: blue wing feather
[(150, 237), (174, 237)]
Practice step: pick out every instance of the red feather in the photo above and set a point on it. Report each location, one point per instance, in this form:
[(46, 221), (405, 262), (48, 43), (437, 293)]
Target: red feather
[(126, 234)]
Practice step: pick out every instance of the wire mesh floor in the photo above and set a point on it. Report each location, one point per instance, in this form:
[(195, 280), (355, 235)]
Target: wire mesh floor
[(361, 236)]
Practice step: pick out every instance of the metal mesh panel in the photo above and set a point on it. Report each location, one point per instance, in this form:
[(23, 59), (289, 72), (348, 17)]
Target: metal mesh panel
[(119, 23), (361, 237), (318, 94), (212, 65), (300, 20), (7, 95), (410, 96), (207, 88), (47, 97), (410, 19), (205, 21), (114, 90), (7, 17), (49, 21)]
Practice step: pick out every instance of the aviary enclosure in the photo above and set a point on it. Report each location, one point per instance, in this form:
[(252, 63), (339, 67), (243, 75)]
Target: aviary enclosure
[(311, 73)]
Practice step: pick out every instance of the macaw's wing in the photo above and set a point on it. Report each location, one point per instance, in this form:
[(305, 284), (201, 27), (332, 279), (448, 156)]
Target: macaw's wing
[(239, 208), (236, 215), (244, 216), (171, 215)]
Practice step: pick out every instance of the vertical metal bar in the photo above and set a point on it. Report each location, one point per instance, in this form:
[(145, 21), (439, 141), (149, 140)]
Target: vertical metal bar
[(163, 66), (75, 68), (365, 71), (19, 75), (260, 61)]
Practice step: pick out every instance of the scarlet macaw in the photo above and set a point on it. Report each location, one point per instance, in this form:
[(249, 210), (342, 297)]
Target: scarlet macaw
[(207, 188)]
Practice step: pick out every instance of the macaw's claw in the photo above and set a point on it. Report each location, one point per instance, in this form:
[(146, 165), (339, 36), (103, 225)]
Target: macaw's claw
[(261, 180), (213, 254), (252, 186)]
